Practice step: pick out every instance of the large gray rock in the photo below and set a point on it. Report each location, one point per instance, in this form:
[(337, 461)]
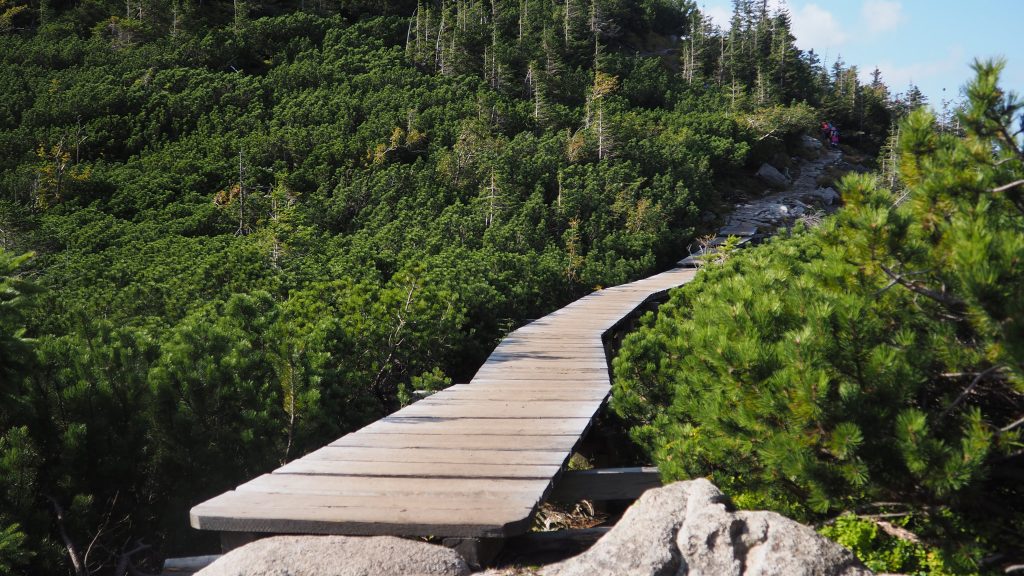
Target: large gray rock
[(828, 195), (811, 144), (772, 177), (337, 556), (685, 528)]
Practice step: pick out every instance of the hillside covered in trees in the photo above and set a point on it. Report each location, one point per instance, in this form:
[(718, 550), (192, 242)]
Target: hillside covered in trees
[(233, 231), (872, 366)]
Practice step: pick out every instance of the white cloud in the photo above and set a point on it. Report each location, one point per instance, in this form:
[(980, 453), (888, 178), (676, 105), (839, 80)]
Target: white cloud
[(925, 74), (882, 15), (817, 28), (719, 14)]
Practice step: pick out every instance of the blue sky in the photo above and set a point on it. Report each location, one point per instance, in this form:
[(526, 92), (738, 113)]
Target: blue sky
[(928, 42)]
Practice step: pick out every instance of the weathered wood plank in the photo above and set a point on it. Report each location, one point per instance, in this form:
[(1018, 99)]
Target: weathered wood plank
[(517, 489), (404, 469), (501, 369), (553, 378), (502, 409), (605, 484), (555, 442), (583, 367), (289, 514), (426, 501), (520, 393), (594, 357), (480, 426), (436, 455), (580, 381)]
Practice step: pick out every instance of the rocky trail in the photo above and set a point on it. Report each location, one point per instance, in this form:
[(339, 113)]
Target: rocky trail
[(799, 199)]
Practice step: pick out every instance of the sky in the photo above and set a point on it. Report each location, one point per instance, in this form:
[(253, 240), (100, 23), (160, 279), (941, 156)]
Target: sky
[(930, 43)]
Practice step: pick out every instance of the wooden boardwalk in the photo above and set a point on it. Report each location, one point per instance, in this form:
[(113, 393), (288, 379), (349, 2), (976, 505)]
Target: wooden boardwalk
[(472, 461)]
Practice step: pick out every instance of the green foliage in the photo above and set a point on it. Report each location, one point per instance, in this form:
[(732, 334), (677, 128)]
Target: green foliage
[(15, 349), (882, 552), (12, 548), (261, 225), (877, 358)]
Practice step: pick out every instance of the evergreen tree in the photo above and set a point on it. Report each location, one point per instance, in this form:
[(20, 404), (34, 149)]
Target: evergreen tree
[(876, 359)]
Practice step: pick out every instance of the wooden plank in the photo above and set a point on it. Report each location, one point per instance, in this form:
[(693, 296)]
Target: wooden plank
[(595, 356), (440, 501), (554, 442), (290, 514), (415, 503), (586, 339), (521, 392), (584, 369), (605, 484), (563, 324), (385, 486), (502, 409), (436, 455), (417, 469), (558, 333), (511, 488), (480, 426), (497, 398), (548, 380), (552, 377), (582, 365), (509, 352)]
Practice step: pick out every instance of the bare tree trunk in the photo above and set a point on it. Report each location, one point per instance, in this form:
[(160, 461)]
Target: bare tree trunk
[(76, 562), (242, 229), (568, 8), (438, 46), (492, 200), (408, 32)]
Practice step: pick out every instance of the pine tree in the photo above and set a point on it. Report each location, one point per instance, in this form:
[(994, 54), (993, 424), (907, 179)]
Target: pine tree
[(878, 358)]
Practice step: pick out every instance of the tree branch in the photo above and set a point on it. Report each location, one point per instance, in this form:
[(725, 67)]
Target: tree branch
[(76, 563), (124, 563), (1012, 425), (974, 383), (1006, 187), (102, 528), (950, 302)]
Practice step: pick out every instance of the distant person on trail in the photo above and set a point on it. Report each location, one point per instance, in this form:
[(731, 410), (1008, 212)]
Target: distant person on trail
[(826, 132), (834, 137)]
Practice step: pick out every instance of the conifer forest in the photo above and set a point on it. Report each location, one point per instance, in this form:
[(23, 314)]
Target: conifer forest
[(231, 232)]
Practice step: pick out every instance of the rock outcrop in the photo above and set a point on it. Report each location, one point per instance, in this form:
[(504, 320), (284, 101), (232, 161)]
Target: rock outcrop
[(687, 528), (772, 177), (338, 556), (811, 145)]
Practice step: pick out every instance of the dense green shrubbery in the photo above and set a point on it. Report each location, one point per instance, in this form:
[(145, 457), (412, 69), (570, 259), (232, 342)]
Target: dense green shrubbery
[(876, 359), (258, 224)]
